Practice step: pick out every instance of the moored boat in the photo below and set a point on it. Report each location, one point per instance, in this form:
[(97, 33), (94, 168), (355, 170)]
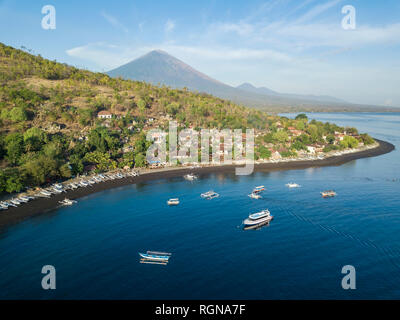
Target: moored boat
[(254, 196), (209, 195), (258, 218), (328, 194), (258, 189), (155, 256), (67, 202), (292, 185), (173, 202), (190, 177)]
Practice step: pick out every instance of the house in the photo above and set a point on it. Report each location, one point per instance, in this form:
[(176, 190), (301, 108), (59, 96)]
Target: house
[(104, 114), (276, 156), (311, 149), (294, 131)]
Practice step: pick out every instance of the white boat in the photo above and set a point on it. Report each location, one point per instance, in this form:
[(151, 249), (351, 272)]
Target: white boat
[(9, 204), (258, 189), (258, 218), (45, 193), (254, 196), (56, 190), (292, 185), (15, 201), (155, 256), (209, 195), (190, 177), (23, 199), (67, 202), (328, 194), (173, 202), (3, 206), (83, 184)]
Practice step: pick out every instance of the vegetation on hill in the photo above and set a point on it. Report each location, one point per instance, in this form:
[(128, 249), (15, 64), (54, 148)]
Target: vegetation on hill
[(50, 127)]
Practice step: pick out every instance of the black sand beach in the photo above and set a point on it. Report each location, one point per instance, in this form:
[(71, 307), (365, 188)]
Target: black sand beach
[(37, 206)]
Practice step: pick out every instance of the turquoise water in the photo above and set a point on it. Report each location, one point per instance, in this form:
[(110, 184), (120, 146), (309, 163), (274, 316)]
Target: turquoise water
[(94, 245)]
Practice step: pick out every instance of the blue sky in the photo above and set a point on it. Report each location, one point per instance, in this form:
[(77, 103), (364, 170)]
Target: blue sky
[(293, 46)]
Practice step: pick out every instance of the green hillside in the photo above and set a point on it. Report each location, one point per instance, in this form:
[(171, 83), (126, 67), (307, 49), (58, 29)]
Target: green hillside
[(50, 127)]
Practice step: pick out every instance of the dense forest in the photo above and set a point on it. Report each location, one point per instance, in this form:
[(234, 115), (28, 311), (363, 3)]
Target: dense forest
[(50, 127)]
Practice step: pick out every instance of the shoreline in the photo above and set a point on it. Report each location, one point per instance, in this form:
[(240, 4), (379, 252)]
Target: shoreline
[(41, 205)]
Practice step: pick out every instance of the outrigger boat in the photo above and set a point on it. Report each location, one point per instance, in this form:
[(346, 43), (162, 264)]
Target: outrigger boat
[(67, 202), (328, 194), (254, 196), (258, 189), (155, 257), (190, 177), (209, 195), (292, 185), (258, 218), (173, 202)]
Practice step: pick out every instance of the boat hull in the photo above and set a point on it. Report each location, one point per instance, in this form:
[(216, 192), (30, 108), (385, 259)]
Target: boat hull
[(253, 223)]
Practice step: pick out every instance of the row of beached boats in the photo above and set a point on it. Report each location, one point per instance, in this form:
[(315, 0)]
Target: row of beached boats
[(15, 202), (58, 188)]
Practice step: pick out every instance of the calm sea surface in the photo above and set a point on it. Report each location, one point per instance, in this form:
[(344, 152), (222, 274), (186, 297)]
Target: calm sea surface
[(94, 244)]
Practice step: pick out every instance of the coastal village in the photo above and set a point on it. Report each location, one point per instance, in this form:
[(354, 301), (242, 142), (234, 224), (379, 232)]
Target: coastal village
[(59, 122)]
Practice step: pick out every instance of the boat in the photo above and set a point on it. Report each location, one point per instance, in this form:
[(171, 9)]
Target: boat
[(190, 177), (9, 204), (3, 206), (83, 184), (15, 201), (67, 202), (258, 189), (292, 185), (23, 199), (155, 256), (173, 202), (254, 195), (258, 218), (56, 190), (328, 194), (209, 195), (45, 193)]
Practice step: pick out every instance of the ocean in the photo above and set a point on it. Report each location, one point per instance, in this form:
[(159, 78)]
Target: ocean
[(94, 244)]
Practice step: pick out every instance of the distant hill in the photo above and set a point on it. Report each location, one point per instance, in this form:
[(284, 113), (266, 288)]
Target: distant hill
[(263, 90), (159, 68)]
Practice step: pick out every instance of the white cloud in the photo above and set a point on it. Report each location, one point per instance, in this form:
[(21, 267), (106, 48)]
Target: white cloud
[(317, 10), (114, 21), (169, 26)]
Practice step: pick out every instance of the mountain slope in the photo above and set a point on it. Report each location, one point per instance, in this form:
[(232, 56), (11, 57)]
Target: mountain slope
[(263, 90)]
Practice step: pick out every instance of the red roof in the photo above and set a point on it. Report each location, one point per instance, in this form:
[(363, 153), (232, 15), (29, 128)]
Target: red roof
[(104, 113)]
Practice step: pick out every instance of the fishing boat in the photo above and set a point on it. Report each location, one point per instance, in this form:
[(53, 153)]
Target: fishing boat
[(328, 194), (45, 193), (254, 195), (258, 218), (83, 184), (292, 185), (23, 199), (209, 195), (9, 204), (173, 202), (3, 206), (190, 177), (67, 202), (15, 201), (258, 189), (155, 256)]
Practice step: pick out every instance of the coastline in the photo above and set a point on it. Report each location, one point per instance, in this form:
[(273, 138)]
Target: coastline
[(38, 206)]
